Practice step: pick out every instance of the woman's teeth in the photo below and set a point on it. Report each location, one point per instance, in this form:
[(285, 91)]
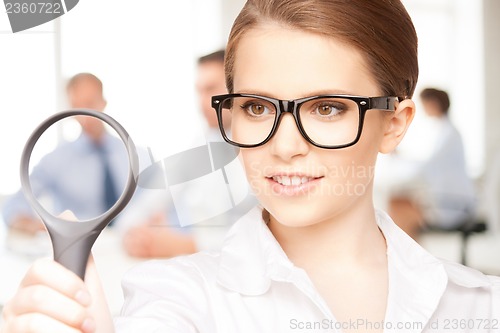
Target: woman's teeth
[(291, 181)]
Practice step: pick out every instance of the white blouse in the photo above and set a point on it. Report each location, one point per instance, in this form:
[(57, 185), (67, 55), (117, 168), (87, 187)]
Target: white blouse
[(251, 286)]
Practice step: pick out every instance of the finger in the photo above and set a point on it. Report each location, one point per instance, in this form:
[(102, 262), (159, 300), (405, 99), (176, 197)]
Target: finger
[(41, 299), (68, 215), (53, 275), (136, 251), (129, 244), (38, 323), (129, 239), (135, 237), (134, 248), (157, 219)]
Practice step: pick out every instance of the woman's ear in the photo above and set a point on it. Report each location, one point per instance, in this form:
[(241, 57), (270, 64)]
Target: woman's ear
[(398, 124)]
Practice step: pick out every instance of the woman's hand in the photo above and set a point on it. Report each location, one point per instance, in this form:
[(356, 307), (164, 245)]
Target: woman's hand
[(53, 299), (50, 299), (154, 239)]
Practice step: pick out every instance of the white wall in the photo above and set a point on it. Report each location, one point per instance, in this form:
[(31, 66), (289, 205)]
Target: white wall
[(491, 23), (145, 55), (491, 180), (27, 92), (451, 57)]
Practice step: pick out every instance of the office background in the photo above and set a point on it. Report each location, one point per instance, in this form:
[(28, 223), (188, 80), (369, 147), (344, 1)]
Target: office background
[(145, 53)]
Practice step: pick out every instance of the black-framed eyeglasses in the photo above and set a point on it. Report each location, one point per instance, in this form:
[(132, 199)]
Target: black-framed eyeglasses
[(326, 121)]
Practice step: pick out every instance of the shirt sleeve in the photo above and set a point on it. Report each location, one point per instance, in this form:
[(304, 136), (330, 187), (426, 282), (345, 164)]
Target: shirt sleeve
[(165, 296), (495, 299), (41, 182)]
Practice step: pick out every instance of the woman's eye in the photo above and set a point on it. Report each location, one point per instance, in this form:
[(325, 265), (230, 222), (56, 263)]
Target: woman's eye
[(256, 109), (329, 110)]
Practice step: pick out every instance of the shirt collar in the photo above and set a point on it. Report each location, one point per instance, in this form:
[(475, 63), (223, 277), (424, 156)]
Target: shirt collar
[(417, 280), (251, 258)]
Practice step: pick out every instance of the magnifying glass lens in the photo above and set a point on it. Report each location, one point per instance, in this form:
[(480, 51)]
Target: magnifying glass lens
[(79, 164)]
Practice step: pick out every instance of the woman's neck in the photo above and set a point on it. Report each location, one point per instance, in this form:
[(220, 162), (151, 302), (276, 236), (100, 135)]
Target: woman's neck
[(350, 238)]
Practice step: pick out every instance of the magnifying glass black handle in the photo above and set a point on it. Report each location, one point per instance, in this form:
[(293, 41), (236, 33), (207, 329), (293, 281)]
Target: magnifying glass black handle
[(73, 251), (72, 241)]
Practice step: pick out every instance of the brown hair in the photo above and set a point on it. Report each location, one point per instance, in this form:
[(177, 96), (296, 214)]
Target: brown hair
[(439, 96), (381, 30)]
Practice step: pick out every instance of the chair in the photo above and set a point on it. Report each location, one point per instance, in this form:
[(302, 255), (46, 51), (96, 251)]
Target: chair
[(468, 228), (469, 222)]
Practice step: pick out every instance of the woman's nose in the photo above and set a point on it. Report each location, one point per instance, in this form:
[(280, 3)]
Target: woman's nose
[(287, 141)]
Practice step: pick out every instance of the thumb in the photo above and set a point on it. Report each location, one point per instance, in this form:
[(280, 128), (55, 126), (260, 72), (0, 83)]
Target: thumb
[(68, 215)]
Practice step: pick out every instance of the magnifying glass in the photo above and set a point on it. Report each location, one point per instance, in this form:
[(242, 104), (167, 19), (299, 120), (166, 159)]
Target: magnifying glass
[(72, 242)]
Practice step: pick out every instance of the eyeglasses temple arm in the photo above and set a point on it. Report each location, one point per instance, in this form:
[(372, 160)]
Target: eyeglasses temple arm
[(383, 103)]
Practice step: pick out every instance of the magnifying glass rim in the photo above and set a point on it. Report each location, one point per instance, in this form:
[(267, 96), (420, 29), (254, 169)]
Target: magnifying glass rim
[(132, 178)]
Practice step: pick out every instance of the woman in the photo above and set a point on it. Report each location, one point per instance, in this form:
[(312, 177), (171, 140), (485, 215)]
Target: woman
[(316, 256)]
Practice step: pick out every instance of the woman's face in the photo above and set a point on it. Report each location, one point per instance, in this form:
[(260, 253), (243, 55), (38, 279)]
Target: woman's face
[(288, 64)]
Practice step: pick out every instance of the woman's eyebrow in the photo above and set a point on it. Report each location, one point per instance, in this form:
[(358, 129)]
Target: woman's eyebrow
[(305, 94)]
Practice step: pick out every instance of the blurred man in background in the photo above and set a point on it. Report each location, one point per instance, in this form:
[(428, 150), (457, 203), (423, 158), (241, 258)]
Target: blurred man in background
[(85, 176)]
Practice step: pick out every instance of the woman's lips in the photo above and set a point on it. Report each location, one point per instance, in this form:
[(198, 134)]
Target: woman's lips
[(292, 185)]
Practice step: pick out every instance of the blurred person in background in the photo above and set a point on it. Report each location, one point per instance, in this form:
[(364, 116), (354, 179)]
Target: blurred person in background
[(163, 234), (436, 192), (85, 176)]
